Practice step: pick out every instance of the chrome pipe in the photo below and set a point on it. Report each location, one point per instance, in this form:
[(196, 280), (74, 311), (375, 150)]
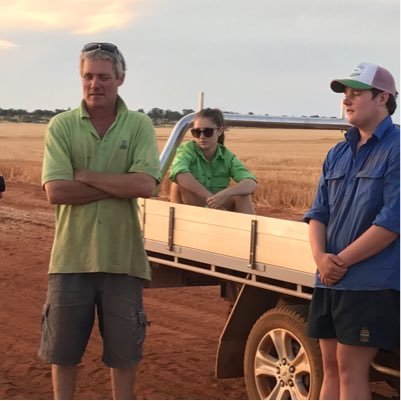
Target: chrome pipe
[(250, 121)]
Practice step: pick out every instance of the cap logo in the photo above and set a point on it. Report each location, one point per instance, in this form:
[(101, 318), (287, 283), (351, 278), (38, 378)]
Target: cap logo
[(357, 72)]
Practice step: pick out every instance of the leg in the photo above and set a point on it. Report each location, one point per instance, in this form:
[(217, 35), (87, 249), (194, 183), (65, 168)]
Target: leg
[(67, 320), (243, 204), (181, 195), (175, 194), (331, 382), (122, 323), (123, 381), (354, 364), (63, 378)]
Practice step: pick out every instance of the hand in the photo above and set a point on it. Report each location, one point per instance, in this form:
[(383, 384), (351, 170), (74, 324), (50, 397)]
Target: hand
[(217, 200), (331, 268)]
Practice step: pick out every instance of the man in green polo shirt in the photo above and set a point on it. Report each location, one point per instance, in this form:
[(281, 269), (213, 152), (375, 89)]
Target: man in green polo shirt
[(98, 159)]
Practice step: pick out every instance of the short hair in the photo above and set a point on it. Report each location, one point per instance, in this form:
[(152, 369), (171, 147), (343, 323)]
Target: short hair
[(116, 59), (216, 116), (391, 102)]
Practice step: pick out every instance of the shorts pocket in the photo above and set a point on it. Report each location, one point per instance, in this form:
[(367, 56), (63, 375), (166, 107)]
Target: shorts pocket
[(44, 340), (45, 315), (142, 323)]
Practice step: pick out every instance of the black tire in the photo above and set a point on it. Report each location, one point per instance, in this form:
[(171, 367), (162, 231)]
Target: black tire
[(281, 361)]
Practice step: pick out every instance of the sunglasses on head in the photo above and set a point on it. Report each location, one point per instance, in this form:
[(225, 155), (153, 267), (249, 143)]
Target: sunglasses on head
[(207, 132), (107, 47)]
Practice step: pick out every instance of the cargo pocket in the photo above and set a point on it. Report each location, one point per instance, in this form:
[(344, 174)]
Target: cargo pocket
[(44, 349), (142, 323)]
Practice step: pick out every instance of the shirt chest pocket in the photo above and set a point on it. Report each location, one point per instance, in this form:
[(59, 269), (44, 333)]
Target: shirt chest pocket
[(334, 180), (370, 183)]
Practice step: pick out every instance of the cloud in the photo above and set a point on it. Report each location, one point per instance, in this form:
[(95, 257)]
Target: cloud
[(6, 44), (82, 17)]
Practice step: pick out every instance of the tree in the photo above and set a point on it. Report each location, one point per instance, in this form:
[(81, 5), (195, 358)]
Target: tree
[(156, 115), (187, 111), (170, 115)]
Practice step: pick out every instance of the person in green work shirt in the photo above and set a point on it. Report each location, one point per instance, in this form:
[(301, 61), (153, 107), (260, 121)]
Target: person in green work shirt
[(202, 169), (98, 158)]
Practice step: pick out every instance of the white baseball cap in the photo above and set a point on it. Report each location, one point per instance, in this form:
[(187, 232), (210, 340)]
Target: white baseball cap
[(366, 76)]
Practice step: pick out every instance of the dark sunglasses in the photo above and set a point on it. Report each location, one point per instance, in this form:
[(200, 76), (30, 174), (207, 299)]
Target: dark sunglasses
[(107, 47), (208, 132)]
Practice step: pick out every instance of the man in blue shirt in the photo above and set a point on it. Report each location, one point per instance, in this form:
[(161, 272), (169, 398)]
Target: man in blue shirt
[(354, 227)]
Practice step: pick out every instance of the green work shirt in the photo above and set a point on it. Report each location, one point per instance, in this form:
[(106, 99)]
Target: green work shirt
[(104, 235), (214, 175)]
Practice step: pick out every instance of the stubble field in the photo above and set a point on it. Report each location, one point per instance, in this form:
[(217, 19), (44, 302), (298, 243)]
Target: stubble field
[(287, 163)]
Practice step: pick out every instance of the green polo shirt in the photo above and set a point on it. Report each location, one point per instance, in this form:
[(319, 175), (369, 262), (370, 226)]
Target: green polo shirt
[(104, 235), (214, 175)]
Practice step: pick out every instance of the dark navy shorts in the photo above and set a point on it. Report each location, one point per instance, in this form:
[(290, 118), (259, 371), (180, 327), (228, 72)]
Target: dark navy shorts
[(69, 313), (365, 318)]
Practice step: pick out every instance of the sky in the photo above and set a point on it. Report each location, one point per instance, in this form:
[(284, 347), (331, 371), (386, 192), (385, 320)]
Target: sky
[(273, 57)]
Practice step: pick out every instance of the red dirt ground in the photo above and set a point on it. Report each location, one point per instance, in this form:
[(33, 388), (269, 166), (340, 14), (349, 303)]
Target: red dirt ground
[(181, 342), (180, 346)]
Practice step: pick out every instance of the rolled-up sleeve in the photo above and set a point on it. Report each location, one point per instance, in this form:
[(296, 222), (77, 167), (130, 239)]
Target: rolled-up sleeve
[(181, 162), (389, 215), (238, 171), (320, 209)]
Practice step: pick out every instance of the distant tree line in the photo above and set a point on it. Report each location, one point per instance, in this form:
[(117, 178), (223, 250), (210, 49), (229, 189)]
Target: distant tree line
[(20, 115), (158, 116)]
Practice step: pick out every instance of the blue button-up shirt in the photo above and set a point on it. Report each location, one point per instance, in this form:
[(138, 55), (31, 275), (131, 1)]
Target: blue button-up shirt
[(359, 188)]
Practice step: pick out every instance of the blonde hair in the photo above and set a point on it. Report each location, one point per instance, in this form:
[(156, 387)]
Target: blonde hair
[(116, 59)]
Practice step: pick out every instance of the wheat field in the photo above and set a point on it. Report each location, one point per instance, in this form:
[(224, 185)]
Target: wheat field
[(286, 162)]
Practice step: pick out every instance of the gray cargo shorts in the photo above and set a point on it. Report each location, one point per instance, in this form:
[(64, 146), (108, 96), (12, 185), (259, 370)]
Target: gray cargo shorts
[(69, 313)]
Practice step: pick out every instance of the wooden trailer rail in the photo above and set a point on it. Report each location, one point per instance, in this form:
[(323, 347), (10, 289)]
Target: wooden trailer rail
[(260, 251)]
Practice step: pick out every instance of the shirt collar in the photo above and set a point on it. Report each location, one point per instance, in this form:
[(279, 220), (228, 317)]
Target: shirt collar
[(353, 135), (218, 154)]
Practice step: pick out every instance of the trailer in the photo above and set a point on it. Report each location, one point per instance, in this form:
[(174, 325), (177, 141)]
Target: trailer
[(264, 265)]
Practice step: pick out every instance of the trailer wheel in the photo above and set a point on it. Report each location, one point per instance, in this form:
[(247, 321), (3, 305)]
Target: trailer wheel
[(281, 362)]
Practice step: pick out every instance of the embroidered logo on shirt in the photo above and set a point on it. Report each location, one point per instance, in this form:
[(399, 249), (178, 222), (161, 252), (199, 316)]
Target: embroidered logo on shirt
[(124, 145), (364, 335)]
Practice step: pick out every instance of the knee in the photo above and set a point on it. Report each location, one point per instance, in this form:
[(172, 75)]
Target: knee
[(350, 371), (243, 204), (330, 364)]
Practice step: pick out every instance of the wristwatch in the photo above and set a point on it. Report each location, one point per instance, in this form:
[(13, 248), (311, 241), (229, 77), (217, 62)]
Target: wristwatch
[(2, 184)]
